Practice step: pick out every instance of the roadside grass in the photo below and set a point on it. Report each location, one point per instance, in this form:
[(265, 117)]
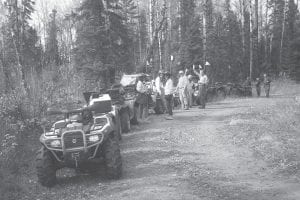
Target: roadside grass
[(17, 171), (272, 128)]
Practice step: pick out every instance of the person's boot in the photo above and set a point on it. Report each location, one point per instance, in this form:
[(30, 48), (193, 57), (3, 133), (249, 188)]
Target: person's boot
[(169, 117)]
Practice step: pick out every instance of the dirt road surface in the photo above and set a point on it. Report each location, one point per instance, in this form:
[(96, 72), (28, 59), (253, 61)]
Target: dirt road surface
[(195, 156)]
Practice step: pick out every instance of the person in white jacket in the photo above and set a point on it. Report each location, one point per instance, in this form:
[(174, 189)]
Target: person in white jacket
[(159, 87), (182, 89)]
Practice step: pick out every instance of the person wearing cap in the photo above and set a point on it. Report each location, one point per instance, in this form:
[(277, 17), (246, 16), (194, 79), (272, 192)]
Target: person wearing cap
[(169, 91), (257, 86), (182, 89), (159, 87), (203, 81), (190, 90), (267, 85)]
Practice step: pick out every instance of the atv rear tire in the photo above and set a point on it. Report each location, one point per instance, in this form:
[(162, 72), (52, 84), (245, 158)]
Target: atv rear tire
[(112, 158), (46, 169), (125, 121)]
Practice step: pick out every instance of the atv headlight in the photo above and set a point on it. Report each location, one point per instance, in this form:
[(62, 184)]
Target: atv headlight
[(55, 143), (49, 134), (99, 123), (94, 138)]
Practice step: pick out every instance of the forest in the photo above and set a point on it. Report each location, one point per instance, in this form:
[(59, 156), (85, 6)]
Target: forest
[(49, 55)]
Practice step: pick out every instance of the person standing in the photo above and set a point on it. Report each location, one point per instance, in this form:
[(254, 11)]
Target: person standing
[(169, 90), (247, 87), (267, 85), (142, 98), (258, 86), (190, 90), (159, 87), (182, 90), (203, 81)]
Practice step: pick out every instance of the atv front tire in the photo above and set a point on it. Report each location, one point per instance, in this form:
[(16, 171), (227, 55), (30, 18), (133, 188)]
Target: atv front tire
[(125, 121), (112, 158), (46, 169)]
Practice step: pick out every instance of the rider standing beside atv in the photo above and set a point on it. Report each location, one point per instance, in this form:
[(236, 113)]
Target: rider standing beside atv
[(159, 86), (182, 89), (142, 98), (267, 85), (203, 81), (169, 91)]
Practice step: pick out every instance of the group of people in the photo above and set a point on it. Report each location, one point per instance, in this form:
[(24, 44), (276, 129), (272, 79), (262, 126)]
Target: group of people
[(164, 87), (266, 81), (186, 87)]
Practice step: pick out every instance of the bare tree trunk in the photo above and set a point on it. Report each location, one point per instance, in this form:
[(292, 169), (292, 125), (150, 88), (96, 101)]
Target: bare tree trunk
[(169, 36), (256, 37), (282, 33), (266, 32), (243, 8), (256, 17), (151, 20), (256, 23), (17, 41), (155, 38), (204, 32), (2, 75), (159, 38), (139, 34), (180, 16), (251, 39)]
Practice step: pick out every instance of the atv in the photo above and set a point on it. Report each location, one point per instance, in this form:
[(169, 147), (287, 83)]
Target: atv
[(215, 92), (84, 138), (239, 90)]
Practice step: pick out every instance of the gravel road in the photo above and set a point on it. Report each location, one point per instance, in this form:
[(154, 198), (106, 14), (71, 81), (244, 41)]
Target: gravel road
[(192, 157)]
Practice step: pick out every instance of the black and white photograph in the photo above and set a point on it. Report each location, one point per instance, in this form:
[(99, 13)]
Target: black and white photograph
[(149, 99)]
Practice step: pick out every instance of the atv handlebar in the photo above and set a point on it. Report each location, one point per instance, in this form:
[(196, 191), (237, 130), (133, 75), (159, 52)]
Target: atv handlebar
[(92, 107), (67, 112)]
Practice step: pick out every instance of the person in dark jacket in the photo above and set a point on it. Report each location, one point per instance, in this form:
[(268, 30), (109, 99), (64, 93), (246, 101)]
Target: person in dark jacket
[(258, 86), (267, 85)]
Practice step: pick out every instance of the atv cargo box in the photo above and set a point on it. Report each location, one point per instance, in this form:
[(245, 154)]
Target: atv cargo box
[(101, 103)]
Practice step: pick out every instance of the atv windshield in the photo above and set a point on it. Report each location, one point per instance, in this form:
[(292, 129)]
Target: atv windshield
[(129, 80)]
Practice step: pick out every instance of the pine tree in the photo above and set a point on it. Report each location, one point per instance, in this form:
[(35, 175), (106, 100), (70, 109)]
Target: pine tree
[(52, 53), (295, 51), (275, 22), (143, 37), (232, 63), (187, 27), (288, 60), (103, 41)]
